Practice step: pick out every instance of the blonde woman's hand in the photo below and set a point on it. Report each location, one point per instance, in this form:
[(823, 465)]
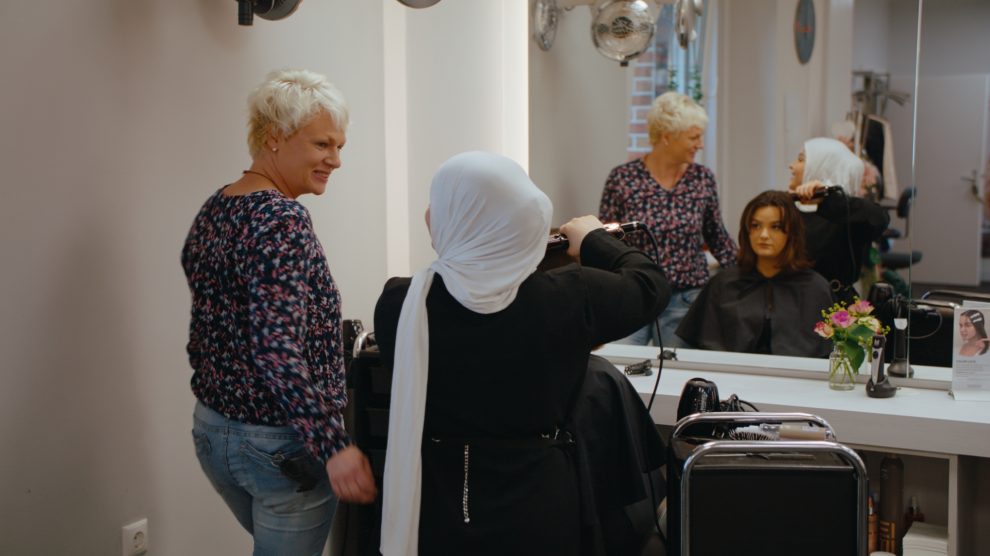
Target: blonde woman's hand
[(350, 476), (576, 229), (806, 192)]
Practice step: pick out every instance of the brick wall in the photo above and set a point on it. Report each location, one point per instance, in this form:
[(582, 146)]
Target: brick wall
[(650, 79)]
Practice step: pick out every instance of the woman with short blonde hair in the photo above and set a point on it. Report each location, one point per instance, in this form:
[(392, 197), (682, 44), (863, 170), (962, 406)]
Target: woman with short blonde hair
[(677, 200), (265, 337)]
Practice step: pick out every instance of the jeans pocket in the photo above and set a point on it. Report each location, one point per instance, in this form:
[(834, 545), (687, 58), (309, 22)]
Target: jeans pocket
[(282, 475), (269, 455), (203, 446)]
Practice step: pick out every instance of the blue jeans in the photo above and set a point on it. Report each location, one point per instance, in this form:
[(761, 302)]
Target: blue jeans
[(670, 318), (243, 463)]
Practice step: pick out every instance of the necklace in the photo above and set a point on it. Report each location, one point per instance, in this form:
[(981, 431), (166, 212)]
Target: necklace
[(271, 181), (262, 175)]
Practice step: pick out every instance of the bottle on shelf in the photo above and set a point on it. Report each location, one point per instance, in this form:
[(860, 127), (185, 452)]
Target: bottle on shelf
[(890, 523), (913, 514)]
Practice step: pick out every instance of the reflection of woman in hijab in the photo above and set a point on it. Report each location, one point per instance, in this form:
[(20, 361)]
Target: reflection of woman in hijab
[(973, 331), (487, 356), (839, 228)]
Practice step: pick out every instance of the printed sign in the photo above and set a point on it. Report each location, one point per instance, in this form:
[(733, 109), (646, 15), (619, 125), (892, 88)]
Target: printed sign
[(971, 354)]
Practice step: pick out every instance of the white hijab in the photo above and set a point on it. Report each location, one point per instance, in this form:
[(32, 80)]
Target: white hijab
[(489, 225), (832, 163)]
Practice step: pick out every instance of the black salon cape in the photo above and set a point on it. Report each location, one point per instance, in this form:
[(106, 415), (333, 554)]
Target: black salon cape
[(838, 235), (619, 455), (728, 314), (502, 379)]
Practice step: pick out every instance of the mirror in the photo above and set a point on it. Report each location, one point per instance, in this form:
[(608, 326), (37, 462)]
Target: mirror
[(949, 221), (762, 102)]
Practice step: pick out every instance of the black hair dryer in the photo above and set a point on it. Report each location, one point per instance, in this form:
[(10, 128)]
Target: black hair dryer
[(879, 386), (698, 396)]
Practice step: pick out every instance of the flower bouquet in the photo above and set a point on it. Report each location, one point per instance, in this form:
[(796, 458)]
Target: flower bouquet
[(851, 330)]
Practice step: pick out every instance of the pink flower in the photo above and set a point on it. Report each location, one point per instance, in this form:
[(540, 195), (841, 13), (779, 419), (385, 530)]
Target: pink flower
[(861, 307), (841, 319), (824, 329)]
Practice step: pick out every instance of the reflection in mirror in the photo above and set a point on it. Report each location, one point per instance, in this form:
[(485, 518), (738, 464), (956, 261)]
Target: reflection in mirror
[(762, 102), (949, 221)]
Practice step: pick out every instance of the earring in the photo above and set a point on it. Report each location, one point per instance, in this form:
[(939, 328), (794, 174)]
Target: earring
[(274, 149)]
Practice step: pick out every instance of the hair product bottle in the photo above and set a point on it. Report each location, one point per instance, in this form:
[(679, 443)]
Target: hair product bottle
[(891, 527)]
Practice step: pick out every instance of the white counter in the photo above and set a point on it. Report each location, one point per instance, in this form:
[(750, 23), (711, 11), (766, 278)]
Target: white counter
[(920, 417)]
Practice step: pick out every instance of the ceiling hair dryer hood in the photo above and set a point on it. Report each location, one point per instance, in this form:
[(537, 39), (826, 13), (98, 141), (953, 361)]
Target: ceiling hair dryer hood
[(266, 9)]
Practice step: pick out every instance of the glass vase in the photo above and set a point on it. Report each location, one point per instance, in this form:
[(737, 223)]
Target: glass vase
[(841, 374)]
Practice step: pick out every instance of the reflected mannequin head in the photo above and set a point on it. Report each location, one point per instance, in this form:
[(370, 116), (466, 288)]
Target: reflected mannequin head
[(676, 125), (771, 232)]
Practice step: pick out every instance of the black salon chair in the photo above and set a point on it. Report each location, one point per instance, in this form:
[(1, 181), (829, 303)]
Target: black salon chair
[(889, 259), (357, 527), (766, 497)]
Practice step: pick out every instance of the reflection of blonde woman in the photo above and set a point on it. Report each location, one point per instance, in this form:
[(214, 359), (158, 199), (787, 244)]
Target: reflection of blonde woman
[(973, 332)]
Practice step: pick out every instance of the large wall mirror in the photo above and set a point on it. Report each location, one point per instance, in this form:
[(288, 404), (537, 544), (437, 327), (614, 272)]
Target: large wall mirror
[(764, 103), (949, 221)]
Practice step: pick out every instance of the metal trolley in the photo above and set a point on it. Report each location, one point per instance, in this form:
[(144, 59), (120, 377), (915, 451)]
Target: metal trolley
[(763, 496)]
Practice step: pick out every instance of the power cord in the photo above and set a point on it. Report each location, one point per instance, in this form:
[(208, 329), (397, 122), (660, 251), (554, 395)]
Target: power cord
[(733, 403), (656, 326), (664, 354)]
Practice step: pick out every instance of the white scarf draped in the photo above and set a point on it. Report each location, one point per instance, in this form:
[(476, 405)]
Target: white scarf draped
[(489, 225), (832, 163)]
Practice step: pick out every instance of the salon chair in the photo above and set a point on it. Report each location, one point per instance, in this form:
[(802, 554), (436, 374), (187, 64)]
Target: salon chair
[(357, 528), (767, 497), (889, 259)]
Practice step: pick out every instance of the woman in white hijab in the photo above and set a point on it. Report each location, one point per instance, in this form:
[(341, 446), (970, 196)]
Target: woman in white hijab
[(487, 355), (839, 227)]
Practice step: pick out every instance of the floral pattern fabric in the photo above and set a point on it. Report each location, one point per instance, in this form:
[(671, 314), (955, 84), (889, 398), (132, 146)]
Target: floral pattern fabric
[(265, 339), (683, 220)]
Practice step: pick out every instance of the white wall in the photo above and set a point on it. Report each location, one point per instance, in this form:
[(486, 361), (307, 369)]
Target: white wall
[(466, 90), (119, 119), (579, 117), (870, 34), (955, 37)]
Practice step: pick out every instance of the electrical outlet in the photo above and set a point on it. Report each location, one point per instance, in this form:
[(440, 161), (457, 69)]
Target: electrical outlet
[(134, 538)]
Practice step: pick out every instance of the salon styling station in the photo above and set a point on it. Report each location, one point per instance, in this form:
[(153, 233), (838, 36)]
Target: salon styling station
[(944, 443)]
